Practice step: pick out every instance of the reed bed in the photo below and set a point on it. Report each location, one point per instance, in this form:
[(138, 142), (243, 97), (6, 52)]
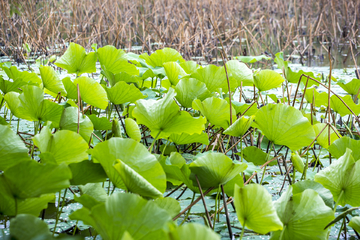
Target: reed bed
[(248, 27)]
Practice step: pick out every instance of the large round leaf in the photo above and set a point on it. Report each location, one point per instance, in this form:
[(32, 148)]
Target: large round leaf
[(351, 87), (255, 210), (267, 79), (64, 146), (189, 89), (136, 162), (239, 127), (70, 120), (173, 72), (342, 179), (338, 147), (12, 149), (214, 77), (126, 212), (216, 111), (163, 116), (185, 138), (29, 227), (92, 92), (355, 223), (285, 125), (338, 106), (51, 80), (30, 179), (213, 169), (240, 72), (324, 193), (161, 56), (122, 92), (304, 216), (75, 60)]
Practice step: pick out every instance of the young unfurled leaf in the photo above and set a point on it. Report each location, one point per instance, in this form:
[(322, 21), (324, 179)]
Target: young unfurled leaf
[(132, 129)]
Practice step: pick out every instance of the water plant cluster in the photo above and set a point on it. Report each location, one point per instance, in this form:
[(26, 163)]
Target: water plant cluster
[(123, 141)]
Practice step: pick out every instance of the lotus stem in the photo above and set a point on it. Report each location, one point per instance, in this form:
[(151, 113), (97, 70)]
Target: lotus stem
[(152, 144), (188, 212), (203, 200), (243, 230)]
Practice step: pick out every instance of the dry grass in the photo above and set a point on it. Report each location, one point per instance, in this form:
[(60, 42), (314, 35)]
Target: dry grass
[(268, 25)]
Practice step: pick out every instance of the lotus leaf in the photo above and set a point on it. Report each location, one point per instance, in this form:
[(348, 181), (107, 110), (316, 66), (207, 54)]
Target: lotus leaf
[(252, 59), (267, 79), (159, 57), (338, 147), (132, 129), (355, 223), (256, 156), (324, 193), (189, 89), (173, 70), (304, 216), (285, 125), (216, 111), (126, 212), (193, 231), (340, 108), (75, 60), (163, 116), (323, 139), (64, 146), (185, 138), (342, 179), (239, 127), (255, 209), (28, 227), (51, 80), (91, 92), (133, 160), (86, 172), (213, 169), (351, 87), (122, 92)]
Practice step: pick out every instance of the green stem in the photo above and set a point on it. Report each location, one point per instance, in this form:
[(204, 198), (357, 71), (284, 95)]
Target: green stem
[(242, 153), (152, 144), (339, 198), (282, 233), (342, 226), (267, 157), (216, 207), (58, 213), (167, 143), (243, 230), (188, 212)]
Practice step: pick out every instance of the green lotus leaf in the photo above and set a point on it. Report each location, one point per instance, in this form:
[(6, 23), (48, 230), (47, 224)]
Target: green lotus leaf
[(171, 205), (51, 80), (294, 77), (324, 193), (304, 216), (163, 116), (159, 57), (32, 106), (185, 138), (255, 209), (92, 92), (86, 172), (28, 227), (321, 99), (17, 76), (216, 111), (136, 183), (189, 66), (267, 79), (190, 89), (239, 127), (323, 139), (135, 158), (122, 92), (11, 86), (177, 171), (338, 147), (340, 108), (132, 129), (252, 59), (99, 123), (121, 77), (214, 77), (94, 191), (65, 146), (194, 231), (36, 179), (75, 60), (351, 87), (241, 107), (70, 119), (355, 223), (213, 169), (342, 179), (256, 156), (297, 162), (285, 125), (240, 72), (114, 60), (71, 88), (12, 148), (29, 205), (173, 70), (126, 212), (276, 99)]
